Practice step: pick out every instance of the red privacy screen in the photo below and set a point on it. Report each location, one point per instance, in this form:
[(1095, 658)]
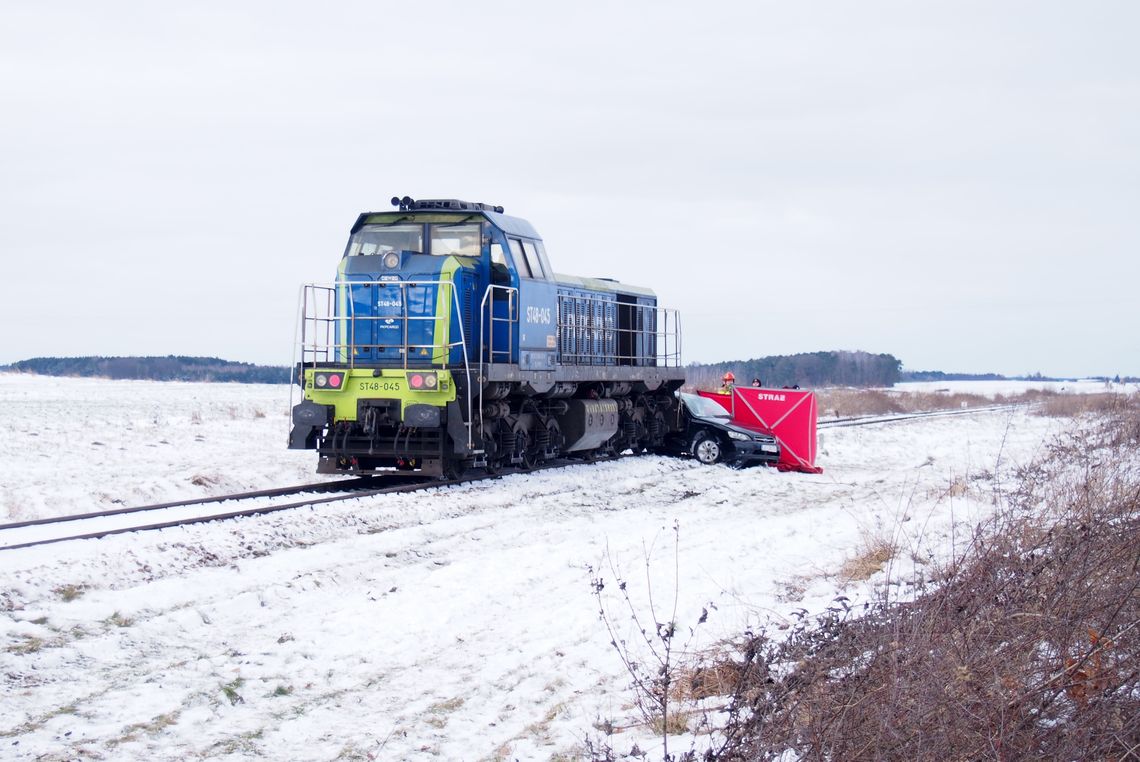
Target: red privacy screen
[(788, 414)]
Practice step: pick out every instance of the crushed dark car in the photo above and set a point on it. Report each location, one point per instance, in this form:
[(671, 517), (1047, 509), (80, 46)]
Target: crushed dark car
[(708, 433)]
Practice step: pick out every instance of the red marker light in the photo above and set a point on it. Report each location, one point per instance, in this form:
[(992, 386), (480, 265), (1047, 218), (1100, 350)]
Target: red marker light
[(417, 381), (334, 380)]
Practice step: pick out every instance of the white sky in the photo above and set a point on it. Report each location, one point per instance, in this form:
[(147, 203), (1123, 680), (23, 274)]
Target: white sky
[(956, 183)]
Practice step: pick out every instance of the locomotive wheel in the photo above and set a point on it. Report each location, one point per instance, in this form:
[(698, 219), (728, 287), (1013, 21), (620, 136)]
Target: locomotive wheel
[(454, 468), (524, 443), (707, 448)]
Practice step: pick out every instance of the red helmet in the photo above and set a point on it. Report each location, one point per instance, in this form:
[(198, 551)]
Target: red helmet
[(729, 376)]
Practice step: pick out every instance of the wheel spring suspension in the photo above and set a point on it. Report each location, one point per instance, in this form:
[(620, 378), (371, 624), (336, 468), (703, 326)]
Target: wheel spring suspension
[(507, 441), (542, 439)]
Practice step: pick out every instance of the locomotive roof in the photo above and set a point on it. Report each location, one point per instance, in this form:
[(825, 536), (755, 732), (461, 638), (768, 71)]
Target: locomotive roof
[(603, 284), (516, 226)]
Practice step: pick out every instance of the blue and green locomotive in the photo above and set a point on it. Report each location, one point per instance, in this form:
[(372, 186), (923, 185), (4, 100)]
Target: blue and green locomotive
[(448, 342)]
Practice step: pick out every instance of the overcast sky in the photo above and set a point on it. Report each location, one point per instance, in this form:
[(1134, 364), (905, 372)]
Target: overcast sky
[(955, 183)]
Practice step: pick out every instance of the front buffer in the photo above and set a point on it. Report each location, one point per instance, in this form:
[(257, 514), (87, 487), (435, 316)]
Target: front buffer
[(365, 420)]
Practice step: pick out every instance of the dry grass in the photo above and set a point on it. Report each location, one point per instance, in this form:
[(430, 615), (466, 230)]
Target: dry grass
[(849, 403), (720, 676), (1028, 649), (69, 593), (870, 559), (1071, 405)]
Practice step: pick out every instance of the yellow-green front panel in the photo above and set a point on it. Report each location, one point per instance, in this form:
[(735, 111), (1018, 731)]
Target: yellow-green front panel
[(391, 384)]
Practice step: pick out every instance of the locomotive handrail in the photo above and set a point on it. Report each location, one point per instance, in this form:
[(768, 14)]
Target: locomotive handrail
[(487, 308), (328, 319), (511, 319), (314, 351), (580, 325)]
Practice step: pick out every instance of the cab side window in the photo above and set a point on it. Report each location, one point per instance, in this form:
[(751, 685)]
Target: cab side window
[(532, 259), (542, 258), (519, 258), (498, 257), (499, 269)]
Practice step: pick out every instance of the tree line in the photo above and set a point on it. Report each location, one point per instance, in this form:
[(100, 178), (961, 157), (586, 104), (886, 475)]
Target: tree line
[(808, 369), (169, 368)]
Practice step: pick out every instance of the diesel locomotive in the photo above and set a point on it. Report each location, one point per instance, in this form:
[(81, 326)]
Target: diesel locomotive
[(447, 342)]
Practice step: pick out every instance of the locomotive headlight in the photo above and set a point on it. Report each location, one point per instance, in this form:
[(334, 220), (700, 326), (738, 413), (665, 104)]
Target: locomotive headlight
[(423, 380), (391, 260), (328, 380)]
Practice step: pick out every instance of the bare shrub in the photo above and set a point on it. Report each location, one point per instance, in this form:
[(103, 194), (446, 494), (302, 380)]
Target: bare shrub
[(1028, 649), (845, 403), (651, 655), (1071, 405), (850, 403)]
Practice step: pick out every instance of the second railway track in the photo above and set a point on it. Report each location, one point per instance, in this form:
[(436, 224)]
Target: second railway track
[(868, 420)]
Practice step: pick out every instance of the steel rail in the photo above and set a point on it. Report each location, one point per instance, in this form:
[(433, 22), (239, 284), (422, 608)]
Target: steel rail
[(329, 486), (223, 516), (868, 420), (264, 509)]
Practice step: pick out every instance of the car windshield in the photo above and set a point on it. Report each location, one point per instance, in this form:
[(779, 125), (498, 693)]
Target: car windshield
[(703, 407)]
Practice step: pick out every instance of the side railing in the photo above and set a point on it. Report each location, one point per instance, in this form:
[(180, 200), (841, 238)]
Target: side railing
[(328, 328), (599, 331)]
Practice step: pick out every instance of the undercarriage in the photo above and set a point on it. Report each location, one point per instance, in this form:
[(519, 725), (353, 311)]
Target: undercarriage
[(510, 428)]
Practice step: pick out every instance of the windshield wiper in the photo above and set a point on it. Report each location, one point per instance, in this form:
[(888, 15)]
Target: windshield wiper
[(463, 221)]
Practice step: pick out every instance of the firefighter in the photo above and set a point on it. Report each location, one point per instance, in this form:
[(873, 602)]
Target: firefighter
[(729, 381)]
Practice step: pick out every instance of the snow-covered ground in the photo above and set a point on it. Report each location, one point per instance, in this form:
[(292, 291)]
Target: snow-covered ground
[(457, 623)]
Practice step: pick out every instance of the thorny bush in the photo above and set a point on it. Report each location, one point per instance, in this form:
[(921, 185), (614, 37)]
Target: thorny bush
[(1028, 647)]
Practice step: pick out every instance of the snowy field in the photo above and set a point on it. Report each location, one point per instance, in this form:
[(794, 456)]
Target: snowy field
[(454, 624)]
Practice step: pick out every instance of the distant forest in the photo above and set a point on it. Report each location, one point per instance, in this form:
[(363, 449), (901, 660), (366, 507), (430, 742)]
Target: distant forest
[(809, 369), (169, 368)]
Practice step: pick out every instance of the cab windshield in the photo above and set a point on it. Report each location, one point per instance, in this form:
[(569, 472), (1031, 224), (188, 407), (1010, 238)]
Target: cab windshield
[(371, 240), (703, 407), (444, 239)]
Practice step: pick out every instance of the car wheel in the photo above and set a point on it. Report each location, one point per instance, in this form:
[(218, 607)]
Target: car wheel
[(707, 448)]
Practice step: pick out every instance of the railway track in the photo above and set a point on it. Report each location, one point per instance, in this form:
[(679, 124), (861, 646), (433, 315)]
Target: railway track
[(868, 420), (84, 526), (88, 526)]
